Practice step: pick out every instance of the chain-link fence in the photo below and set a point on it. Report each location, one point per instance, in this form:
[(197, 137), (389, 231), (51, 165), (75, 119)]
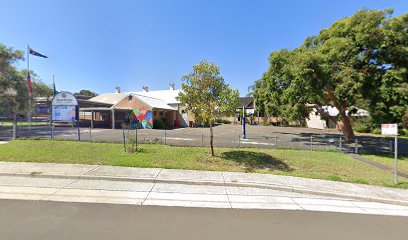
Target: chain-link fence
[(200, 137)]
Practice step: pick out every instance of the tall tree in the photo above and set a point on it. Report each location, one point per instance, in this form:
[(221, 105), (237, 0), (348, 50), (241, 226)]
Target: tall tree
[(334, 68), (205, 93), (87, 93), (387, 90), (40, 89), (13, 88)]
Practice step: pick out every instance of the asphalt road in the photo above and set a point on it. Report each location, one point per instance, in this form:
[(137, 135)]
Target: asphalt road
[(57, 220)]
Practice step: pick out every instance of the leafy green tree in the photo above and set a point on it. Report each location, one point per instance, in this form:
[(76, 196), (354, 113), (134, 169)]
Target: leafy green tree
[(13, 87), (87, 93), (338, 68), (387, 90), (40, 89), (13, 83), (205, 93)]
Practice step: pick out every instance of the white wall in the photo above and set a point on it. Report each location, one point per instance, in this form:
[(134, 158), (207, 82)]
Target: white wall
[(315, 121)]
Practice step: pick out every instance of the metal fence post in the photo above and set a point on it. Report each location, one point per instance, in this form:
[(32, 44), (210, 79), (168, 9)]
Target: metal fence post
[(14, 131), (165, 136), (52, 131), (276, 141), (311, 142), (90, 134), (390, 147), (202, 140), (340, 147), (356, 146), (239, 140)]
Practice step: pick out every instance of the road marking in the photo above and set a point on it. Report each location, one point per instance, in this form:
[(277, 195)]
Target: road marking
[(181, 139), (258, 143)]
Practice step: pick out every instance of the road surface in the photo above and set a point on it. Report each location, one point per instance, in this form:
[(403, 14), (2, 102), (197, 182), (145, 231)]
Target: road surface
[(59, 220)]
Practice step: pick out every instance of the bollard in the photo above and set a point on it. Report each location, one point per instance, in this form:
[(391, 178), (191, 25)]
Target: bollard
[(340, 147), (165, 142), (311, 142), (202, 140), (14, 131), (356, 146), (276, 141), (90, 134)]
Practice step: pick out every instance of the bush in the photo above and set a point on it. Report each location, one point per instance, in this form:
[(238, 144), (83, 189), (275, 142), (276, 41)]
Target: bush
[(362, 128), (266, 123), (405, 121), (403, 132), (158, 123), (376, 131), (218, 120), (226, 121)]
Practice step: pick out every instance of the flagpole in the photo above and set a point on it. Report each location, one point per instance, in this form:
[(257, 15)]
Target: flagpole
[(29, 94)]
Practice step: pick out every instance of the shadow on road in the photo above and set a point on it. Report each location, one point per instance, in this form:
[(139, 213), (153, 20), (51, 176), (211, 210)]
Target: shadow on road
[(256, 160)]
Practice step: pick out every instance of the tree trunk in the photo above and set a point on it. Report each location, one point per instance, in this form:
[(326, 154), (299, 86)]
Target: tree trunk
[(345, 126), (211, 140)]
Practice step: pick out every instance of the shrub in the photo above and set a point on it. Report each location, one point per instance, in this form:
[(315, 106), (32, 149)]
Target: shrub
[(226, 121), (158, 123), (405, 120), (266, 123), (362, 128), (376, 131)]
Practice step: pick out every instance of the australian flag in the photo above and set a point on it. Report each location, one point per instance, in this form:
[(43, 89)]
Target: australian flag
[(35, 53)]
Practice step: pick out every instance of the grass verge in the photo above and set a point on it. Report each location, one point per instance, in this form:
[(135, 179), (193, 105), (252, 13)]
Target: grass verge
[(302, 163), (388, 160)]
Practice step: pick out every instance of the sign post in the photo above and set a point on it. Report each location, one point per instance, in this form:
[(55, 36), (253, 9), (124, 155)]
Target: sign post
[(392, 129), (243, 123), (65, 109)]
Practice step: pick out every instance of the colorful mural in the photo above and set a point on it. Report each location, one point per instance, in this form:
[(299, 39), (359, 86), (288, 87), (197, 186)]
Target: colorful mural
[(141, 119)]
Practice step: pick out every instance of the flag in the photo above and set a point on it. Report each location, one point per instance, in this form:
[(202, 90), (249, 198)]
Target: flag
[(35, 53), (30, 87), (54, 88)]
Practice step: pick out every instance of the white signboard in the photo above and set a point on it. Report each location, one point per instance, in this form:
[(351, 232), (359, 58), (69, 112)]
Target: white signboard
[(63, 113), (250, 111), (64, 98), (389, 129)]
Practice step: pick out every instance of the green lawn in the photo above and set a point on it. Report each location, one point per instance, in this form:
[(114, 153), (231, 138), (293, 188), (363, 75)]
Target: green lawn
[(2, 123), (389, 161), (310, 164)]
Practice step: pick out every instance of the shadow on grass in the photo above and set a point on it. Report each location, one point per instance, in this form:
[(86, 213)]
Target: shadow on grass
[(256, 160)]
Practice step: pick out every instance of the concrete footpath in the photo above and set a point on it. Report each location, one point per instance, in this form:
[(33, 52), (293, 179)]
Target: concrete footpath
[(169, 187)]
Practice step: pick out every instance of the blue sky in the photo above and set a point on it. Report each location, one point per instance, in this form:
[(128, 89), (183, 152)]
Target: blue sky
[(98, 45)]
